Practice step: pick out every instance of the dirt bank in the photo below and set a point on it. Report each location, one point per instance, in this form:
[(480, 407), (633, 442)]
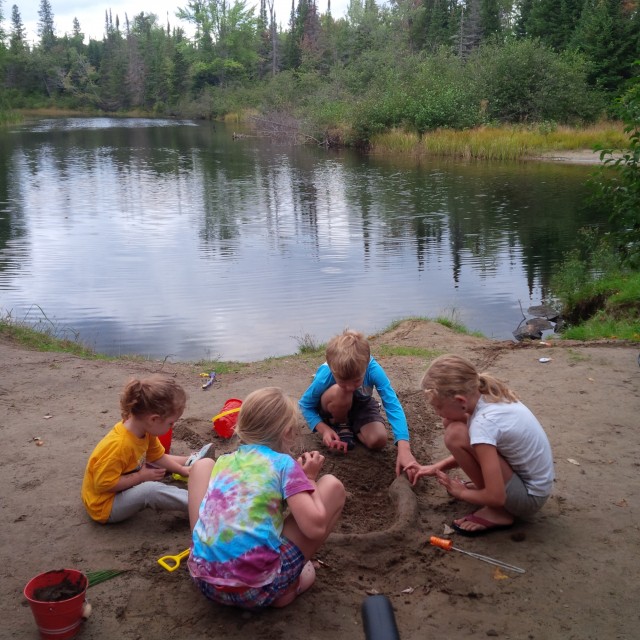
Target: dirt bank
[(580, 553)]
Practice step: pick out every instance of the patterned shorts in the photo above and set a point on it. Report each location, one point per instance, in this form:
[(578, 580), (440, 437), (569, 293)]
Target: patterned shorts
[(292, 563)]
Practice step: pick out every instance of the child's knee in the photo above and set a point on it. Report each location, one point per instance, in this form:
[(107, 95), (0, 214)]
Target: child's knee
[(333, 487), (335, 393), (456, 436), (373, 436)]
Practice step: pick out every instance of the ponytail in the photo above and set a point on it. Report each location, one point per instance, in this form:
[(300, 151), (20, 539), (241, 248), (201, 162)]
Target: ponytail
[(451, 375)]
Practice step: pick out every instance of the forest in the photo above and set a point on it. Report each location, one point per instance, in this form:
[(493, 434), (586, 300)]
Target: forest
[(415, 65)]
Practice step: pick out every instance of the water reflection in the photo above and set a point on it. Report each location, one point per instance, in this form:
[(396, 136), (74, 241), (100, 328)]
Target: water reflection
[(169, 238)]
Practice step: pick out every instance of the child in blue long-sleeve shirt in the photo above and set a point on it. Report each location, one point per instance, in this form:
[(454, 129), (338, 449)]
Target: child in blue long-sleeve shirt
[(339, 404)]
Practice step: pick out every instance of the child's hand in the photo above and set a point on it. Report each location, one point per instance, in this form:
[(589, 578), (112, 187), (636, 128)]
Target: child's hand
[(311, 463), (331, 440), (148, 473), (453, 486), (416, 471)]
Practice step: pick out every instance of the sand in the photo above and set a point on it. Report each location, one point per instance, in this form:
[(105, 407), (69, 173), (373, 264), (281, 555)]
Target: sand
[(580, 553)]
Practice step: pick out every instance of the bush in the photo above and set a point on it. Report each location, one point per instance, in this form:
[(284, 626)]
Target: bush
[(420, 94), (617, 184), (524, 81), (582, 283)]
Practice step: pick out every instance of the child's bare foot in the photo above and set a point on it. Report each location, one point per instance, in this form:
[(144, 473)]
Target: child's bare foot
[(305, 580), (307, 577)]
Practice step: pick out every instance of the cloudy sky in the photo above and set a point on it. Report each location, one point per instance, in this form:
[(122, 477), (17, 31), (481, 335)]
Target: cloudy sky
[(92, 14)]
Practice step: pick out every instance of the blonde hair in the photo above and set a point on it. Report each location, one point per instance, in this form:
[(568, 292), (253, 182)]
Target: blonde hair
[(157, 394), (452, 375), (268, 416), (348, 355)]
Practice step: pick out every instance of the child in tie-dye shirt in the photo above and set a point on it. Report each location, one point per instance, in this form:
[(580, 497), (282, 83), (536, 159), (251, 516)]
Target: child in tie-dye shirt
[(244, 551)]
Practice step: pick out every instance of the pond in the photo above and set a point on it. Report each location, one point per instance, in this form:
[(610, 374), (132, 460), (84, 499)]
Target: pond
[(169, 238)]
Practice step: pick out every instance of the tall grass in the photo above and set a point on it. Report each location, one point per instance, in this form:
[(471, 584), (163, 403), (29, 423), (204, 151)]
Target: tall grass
[(395, 141), (9, 117), (508, 142), (43, 337)]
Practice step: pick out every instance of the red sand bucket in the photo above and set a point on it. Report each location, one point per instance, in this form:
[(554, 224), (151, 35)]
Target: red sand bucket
[(57, 618), (165, 440), (224, 423)]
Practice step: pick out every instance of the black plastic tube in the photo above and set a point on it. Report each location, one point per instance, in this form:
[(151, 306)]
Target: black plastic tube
[(378, 619)]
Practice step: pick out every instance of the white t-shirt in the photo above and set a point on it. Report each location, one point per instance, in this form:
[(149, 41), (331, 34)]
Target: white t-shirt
[(519, 438)]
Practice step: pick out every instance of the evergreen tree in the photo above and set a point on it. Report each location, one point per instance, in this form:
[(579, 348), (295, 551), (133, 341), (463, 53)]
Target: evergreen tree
[(365, 23), (293, 48), (430, 24), (46, 29), (523, 13), (273, 37), (608, 33), (469, 34), (3, 58), (490, 18), (19, 74), (114, 93), (2, 33), (77, 37), (310, 44), (18, 34), (77, 31), (179, 82), (553, 22)]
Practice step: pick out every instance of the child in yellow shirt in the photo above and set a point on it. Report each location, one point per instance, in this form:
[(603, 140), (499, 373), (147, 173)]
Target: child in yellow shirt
[(124, 471)]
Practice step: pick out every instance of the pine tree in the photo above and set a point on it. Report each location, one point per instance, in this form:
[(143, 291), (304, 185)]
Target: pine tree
[(18, 35), (553, 22), (77, 37), (297, 19), (490, 18), (2, 33), (46, 28), (470, 29), (430, 23), (608, 33)]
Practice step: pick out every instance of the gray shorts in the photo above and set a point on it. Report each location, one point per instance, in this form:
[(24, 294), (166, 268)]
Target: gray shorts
[(364, 410), (519, 502)]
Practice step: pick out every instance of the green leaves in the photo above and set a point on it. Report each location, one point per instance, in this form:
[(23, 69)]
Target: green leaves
[(96, 577), (617, 184)]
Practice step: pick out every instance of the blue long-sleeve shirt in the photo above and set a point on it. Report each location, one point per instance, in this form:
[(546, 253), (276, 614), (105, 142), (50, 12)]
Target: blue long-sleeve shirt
[(374, 378)]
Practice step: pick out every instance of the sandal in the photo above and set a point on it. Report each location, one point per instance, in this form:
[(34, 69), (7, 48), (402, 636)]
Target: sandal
[(346, 435)]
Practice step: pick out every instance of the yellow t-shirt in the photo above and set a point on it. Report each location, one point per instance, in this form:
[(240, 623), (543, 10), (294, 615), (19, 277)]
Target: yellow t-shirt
[(118, 453)]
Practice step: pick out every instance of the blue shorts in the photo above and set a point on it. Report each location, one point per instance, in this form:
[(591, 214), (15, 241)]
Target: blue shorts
[(292, 562)]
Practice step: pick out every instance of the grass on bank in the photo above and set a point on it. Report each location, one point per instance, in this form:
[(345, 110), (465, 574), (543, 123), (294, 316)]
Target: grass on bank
[(42, 338), (44, 335), (9, 117), (501, 142), (607, 307), (598, 292), (619, 318)]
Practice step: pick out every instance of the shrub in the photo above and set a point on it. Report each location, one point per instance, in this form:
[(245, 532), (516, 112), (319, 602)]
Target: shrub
[(617, 184), (524, 81)]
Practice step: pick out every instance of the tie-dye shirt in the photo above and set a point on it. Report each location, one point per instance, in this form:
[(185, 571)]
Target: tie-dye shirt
[(237, 538)]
